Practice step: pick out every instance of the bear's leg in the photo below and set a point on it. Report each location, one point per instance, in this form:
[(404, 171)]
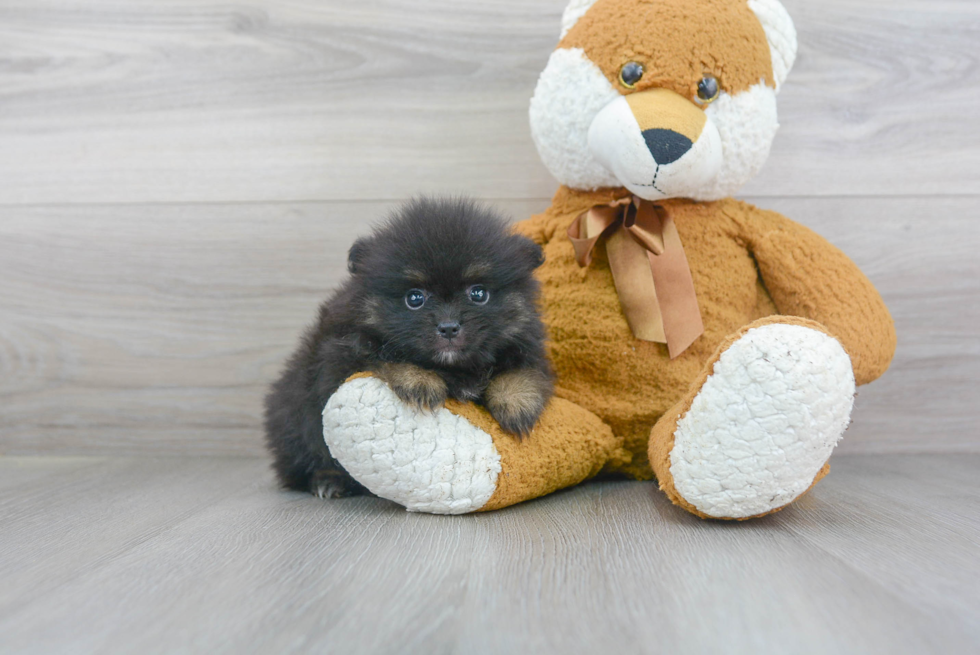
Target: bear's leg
[(456, 459), (757, 427)]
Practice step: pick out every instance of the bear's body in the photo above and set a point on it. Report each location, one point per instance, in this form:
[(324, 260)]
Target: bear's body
[(710, 344), (630, 383)]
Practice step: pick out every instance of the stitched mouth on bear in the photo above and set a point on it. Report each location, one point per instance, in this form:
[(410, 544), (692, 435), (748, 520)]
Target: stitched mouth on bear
[(653, 183)]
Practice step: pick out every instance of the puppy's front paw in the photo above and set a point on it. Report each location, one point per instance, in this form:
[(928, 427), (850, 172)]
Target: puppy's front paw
[(330, 483), (416, 386), (517, 398)]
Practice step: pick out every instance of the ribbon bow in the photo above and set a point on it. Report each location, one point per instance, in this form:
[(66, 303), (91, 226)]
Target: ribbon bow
[(649, 268)]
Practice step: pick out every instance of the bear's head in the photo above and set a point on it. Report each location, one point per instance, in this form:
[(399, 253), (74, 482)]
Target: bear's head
[(668, 98)]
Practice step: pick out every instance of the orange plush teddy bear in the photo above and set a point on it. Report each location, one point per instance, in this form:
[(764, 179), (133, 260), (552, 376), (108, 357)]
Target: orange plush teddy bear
[(696, 339)]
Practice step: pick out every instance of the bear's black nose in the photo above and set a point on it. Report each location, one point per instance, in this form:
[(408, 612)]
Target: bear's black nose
[(448, 330), (666, 146)]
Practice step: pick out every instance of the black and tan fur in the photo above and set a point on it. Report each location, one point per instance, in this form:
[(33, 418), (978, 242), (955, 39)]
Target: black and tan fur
[(495, 356)]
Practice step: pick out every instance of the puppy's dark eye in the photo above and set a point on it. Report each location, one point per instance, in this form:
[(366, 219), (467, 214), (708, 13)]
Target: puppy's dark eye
[(630, 74), (708, 90), (415, 298), (478, 294)]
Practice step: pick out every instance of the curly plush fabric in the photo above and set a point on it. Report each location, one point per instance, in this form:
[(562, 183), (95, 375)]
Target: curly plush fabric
[(456, 459), (570, 92), (781, 34), (746, 263), (434, 462), (677, 41), (764, 422)]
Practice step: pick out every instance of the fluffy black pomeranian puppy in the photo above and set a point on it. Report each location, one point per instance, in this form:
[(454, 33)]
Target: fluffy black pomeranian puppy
[(441, 303)]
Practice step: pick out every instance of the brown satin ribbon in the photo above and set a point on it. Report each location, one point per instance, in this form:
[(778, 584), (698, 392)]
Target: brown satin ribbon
[(649, 268)]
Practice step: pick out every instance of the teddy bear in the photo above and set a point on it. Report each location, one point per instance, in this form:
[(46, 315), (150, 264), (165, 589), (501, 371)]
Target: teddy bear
[(697, 340)]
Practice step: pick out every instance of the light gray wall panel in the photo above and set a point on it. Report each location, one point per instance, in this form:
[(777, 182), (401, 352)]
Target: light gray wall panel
[(156, 328), (184, 100)]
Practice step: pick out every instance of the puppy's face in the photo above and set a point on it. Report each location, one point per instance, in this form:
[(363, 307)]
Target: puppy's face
[(446, 285), (460, 319)]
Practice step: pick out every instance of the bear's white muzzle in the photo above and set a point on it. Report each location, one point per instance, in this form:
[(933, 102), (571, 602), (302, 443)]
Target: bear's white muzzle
[(657, 144)]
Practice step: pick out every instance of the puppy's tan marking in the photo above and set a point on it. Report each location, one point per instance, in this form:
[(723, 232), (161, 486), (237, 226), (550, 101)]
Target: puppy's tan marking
[(415, 386), (415, 275), (521, 314), (517, 398), (477, 270), (371, 311)]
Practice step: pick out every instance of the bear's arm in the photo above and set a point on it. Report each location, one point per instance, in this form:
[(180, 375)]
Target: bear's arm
[(807, 276)]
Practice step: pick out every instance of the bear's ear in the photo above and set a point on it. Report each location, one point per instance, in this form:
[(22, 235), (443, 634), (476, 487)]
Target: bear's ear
[(575, 10), (356, 255), (781, 35)]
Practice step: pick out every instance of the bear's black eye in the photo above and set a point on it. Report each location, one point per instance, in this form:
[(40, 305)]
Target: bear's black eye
[(708, 90), (630, 74), (415, 298), (478, 294)]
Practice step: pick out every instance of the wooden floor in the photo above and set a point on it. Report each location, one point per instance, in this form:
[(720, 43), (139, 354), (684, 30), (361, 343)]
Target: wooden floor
[(197, 555)]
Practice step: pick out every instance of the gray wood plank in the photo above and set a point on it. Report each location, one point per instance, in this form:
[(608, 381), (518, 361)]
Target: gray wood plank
[(869, 562), (925, 507), (17, 473), (85, 512), (155, 329), (183, 100)]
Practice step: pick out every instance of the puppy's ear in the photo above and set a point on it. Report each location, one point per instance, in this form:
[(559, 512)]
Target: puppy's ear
[(531, 252), (356, 255)]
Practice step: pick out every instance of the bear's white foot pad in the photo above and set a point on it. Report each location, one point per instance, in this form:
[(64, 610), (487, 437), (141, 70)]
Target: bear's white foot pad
[(435, 462), (764, 423)]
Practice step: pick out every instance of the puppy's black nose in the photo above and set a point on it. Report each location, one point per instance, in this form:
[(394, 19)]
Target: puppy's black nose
[(448, 330), (666, 146)]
